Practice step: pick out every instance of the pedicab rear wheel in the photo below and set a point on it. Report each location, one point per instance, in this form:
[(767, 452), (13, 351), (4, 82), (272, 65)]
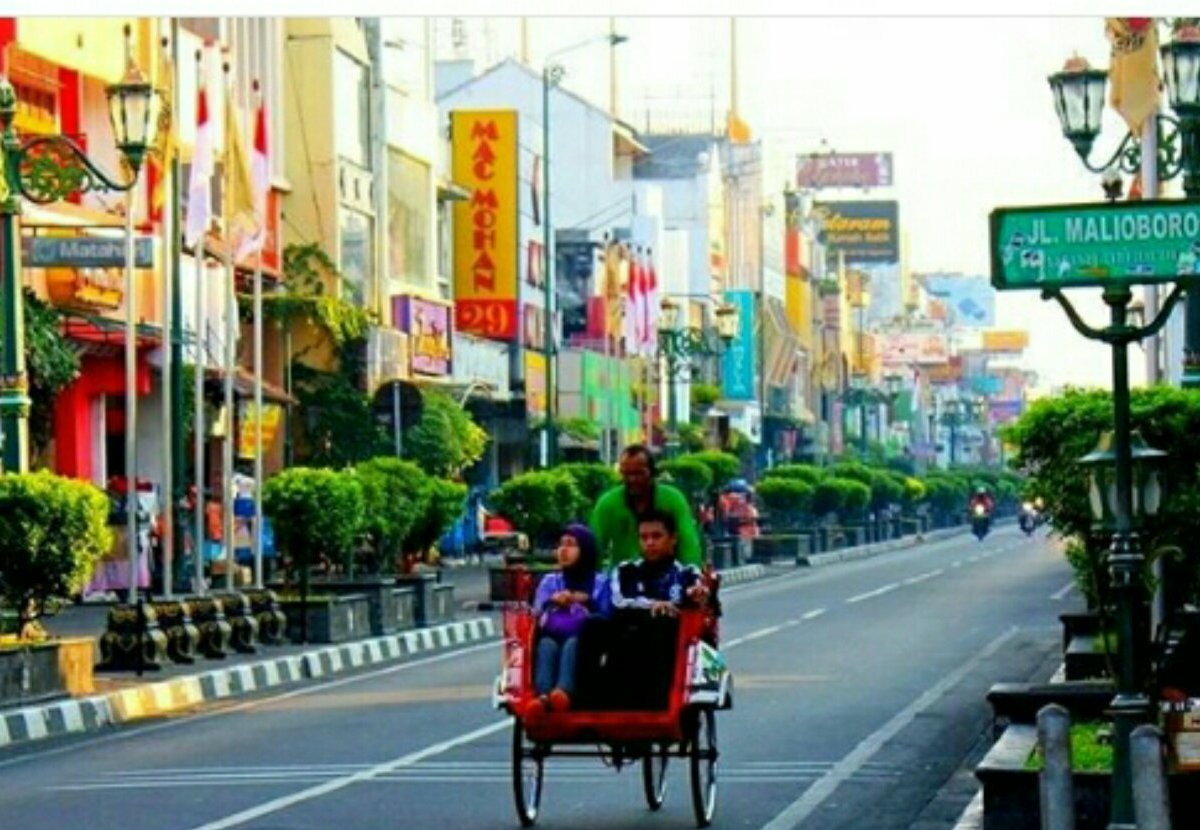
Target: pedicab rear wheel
[(703, 763), (527, 772), (654, 777)]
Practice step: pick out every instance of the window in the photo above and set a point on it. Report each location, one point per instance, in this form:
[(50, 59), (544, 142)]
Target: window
[(410, 198), (357, 250), (352, 109), (445, 248)]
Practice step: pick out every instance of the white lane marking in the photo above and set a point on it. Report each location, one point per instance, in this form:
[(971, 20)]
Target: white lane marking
[(812, 615), (250, 704), (957, 563), (972, 559), (913, 580), (284, 802), (812, 798), (877, 592), (1062, 593), (753, 635)]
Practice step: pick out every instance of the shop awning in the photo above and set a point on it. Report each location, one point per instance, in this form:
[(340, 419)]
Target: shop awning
[(782, 344), (67, 215), (461, 389), (243, 386)]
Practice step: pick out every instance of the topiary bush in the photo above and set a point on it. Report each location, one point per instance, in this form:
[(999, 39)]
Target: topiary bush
[(317, 514), (53, 531), (828, 498), (789, 501), (592, 480), (807, 473), (395, 495), (444, 502), (724, 466), (856, 497), (694, 478), (539, 503)]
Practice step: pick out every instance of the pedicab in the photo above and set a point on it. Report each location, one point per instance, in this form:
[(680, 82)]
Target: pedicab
[(686, 729)]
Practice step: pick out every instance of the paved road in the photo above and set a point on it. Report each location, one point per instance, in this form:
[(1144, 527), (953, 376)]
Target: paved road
[(859, 691)]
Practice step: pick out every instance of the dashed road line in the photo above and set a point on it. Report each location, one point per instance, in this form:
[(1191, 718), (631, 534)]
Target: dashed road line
[(1061, 594), (870, 594)]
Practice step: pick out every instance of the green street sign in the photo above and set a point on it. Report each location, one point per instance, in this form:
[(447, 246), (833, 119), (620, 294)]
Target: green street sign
[(1069, 246)]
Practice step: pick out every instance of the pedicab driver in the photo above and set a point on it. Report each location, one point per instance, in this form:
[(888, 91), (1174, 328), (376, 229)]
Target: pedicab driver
[(615, 519)]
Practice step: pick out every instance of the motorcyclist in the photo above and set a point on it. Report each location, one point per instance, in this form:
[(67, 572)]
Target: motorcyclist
[(981, 497)]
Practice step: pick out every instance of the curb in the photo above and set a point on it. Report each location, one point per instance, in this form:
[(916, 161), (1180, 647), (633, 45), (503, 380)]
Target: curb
[(816, 560), (88, 714), (972, 817), (742, 573)]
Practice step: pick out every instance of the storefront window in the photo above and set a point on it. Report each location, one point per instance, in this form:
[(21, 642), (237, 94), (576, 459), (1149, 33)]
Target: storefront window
[(352, 107), (410, 198), (357, 255)]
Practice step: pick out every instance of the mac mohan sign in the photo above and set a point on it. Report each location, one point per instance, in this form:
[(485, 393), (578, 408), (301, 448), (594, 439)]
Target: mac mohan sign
[(1052, 247)]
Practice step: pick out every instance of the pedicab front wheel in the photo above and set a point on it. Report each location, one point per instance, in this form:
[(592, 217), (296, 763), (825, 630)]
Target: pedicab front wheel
[(527, 770), (703, 763), (654, 777)]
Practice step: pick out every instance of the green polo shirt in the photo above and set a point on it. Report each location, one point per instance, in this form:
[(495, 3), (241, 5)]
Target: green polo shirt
[(616, 527)]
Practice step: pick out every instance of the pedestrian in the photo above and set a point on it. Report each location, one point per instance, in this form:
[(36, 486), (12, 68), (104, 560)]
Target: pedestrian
[(564, 602), (615, 518)]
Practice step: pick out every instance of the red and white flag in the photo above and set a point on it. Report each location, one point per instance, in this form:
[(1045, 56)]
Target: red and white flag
[(630, 314), (199, 201), (260, 179), (637, 275), (650, 306)]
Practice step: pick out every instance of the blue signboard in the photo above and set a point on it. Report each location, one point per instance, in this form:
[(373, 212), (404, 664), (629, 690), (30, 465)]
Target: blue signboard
[(971, 300), (740, 359)]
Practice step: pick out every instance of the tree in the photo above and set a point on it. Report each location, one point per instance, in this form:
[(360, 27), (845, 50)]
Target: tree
[(339, 423), (539, 503), (592, 480), (855, 496), (53, 531), (724, 467), (807, 473), (317, 515), (693, 478), (828, 497), (444, 502), (53, 363), (788, 500), (395, 495), (445, 440)]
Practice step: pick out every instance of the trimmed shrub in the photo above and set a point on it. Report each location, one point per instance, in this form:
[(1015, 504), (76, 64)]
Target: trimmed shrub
[(828, 497), (856, 497), (592, 480), (395, 495), (789, 501), (694, 478), (53, 531), (539, 503), (724, 466), (316, 513), (444, 502), (807, 473)]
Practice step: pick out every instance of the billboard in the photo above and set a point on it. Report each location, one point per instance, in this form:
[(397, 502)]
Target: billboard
[(535, 383), (908, 347), (867, 231), (430, 333), (1007, 342), (967, 300), (738, 363), (486, 230), (851, 170)]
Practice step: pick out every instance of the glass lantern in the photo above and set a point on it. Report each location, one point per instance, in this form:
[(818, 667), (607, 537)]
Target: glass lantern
[(1102, 480)]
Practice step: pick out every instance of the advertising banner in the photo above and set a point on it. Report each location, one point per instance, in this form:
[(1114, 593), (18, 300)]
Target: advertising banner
[(965, 300), (486, 226), (1002, 412), (866, 231), (430, 331), (535, 383), (272, 417), (1007, 342), (849, 170), (906, 348), (740, 359)]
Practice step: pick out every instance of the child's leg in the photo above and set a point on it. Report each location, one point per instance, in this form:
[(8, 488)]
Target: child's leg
[(545, 666), (566, 665)]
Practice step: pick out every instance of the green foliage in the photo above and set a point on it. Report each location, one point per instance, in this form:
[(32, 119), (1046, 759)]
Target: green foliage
[(339, 427), (853, 470), (395, 495), (915, 491), (691, 437), (581, 429), (855, 498), (704, 395), (828, 497), (740, 446), (693, 477), (445, 440), (444, 503), (787, 500), (946, 493), (539, 503), (52, 363), (723, 466), (308, 271), (53, 531), (887, 489), (592, 480), (317, 514), (807, 473)]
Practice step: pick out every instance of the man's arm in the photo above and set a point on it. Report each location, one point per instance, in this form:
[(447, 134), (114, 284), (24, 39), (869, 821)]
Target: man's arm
[(600, 523)]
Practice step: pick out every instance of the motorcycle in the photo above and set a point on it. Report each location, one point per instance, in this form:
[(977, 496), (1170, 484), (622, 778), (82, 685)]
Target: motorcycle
[(981, 521), (1030, 518)]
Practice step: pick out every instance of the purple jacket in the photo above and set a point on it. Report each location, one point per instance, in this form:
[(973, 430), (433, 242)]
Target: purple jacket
[(567, 622)]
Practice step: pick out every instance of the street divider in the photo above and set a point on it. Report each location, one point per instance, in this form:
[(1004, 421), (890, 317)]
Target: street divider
[(151, 700)]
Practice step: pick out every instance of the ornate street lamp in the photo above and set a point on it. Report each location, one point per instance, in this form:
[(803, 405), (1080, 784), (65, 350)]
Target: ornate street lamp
[(1079, 101), (679, 345), (1102, 480)]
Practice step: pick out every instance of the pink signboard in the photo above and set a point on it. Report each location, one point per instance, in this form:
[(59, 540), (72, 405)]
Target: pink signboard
[(849, 170), (429, 328)]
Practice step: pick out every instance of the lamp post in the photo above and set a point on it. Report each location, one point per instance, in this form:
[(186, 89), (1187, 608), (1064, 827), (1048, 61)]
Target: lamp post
[(679, 345), (552, 75), (1078, 92)]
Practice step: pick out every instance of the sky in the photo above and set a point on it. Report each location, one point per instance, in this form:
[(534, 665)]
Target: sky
[(962, 103)]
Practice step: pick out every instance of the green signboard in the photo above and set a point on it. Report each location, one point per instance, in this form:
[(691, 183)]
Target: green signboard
[(1068, 246)]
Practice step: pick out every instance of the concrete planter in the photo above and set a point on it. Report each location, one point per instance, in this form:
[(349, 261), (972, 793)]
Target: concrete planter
[(44, 671), (392, 607), (1078, 623), (441, 604), (1019, 703), (330, 619), (1010, 790), (1084, 659), (421, 585)]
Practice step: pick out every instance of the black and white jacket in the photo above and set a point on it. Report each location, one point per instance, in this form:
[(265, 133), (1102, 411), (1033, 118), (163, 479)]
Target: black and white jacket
[(640, 584)]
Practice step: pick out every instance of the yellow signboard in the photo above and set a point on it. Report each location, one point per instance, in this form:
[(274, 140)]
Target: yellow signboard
[(272, 414), (535, 383), (1016, 340), (486, 226)]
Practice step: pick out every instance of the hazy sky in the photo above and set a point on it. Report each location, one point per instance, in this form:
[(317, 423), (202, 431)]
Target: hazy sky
[(963, 103)]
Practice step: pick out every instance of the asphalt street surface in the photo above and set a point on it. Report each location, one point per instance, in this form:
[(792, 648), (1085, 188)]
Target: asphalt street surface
[(859, 691)]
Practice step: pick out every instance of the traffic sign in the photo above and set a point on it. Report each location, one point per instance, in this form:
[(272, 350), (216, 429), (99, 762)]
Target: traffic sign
[(1069, 246), (84, 252)]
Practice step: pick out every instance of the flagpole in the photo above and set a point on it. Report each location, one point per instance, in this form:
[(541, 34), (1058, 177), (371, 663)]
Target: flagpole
[(167, 540), (178, 447), (258, 382), (201, 364), (230, 340)]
